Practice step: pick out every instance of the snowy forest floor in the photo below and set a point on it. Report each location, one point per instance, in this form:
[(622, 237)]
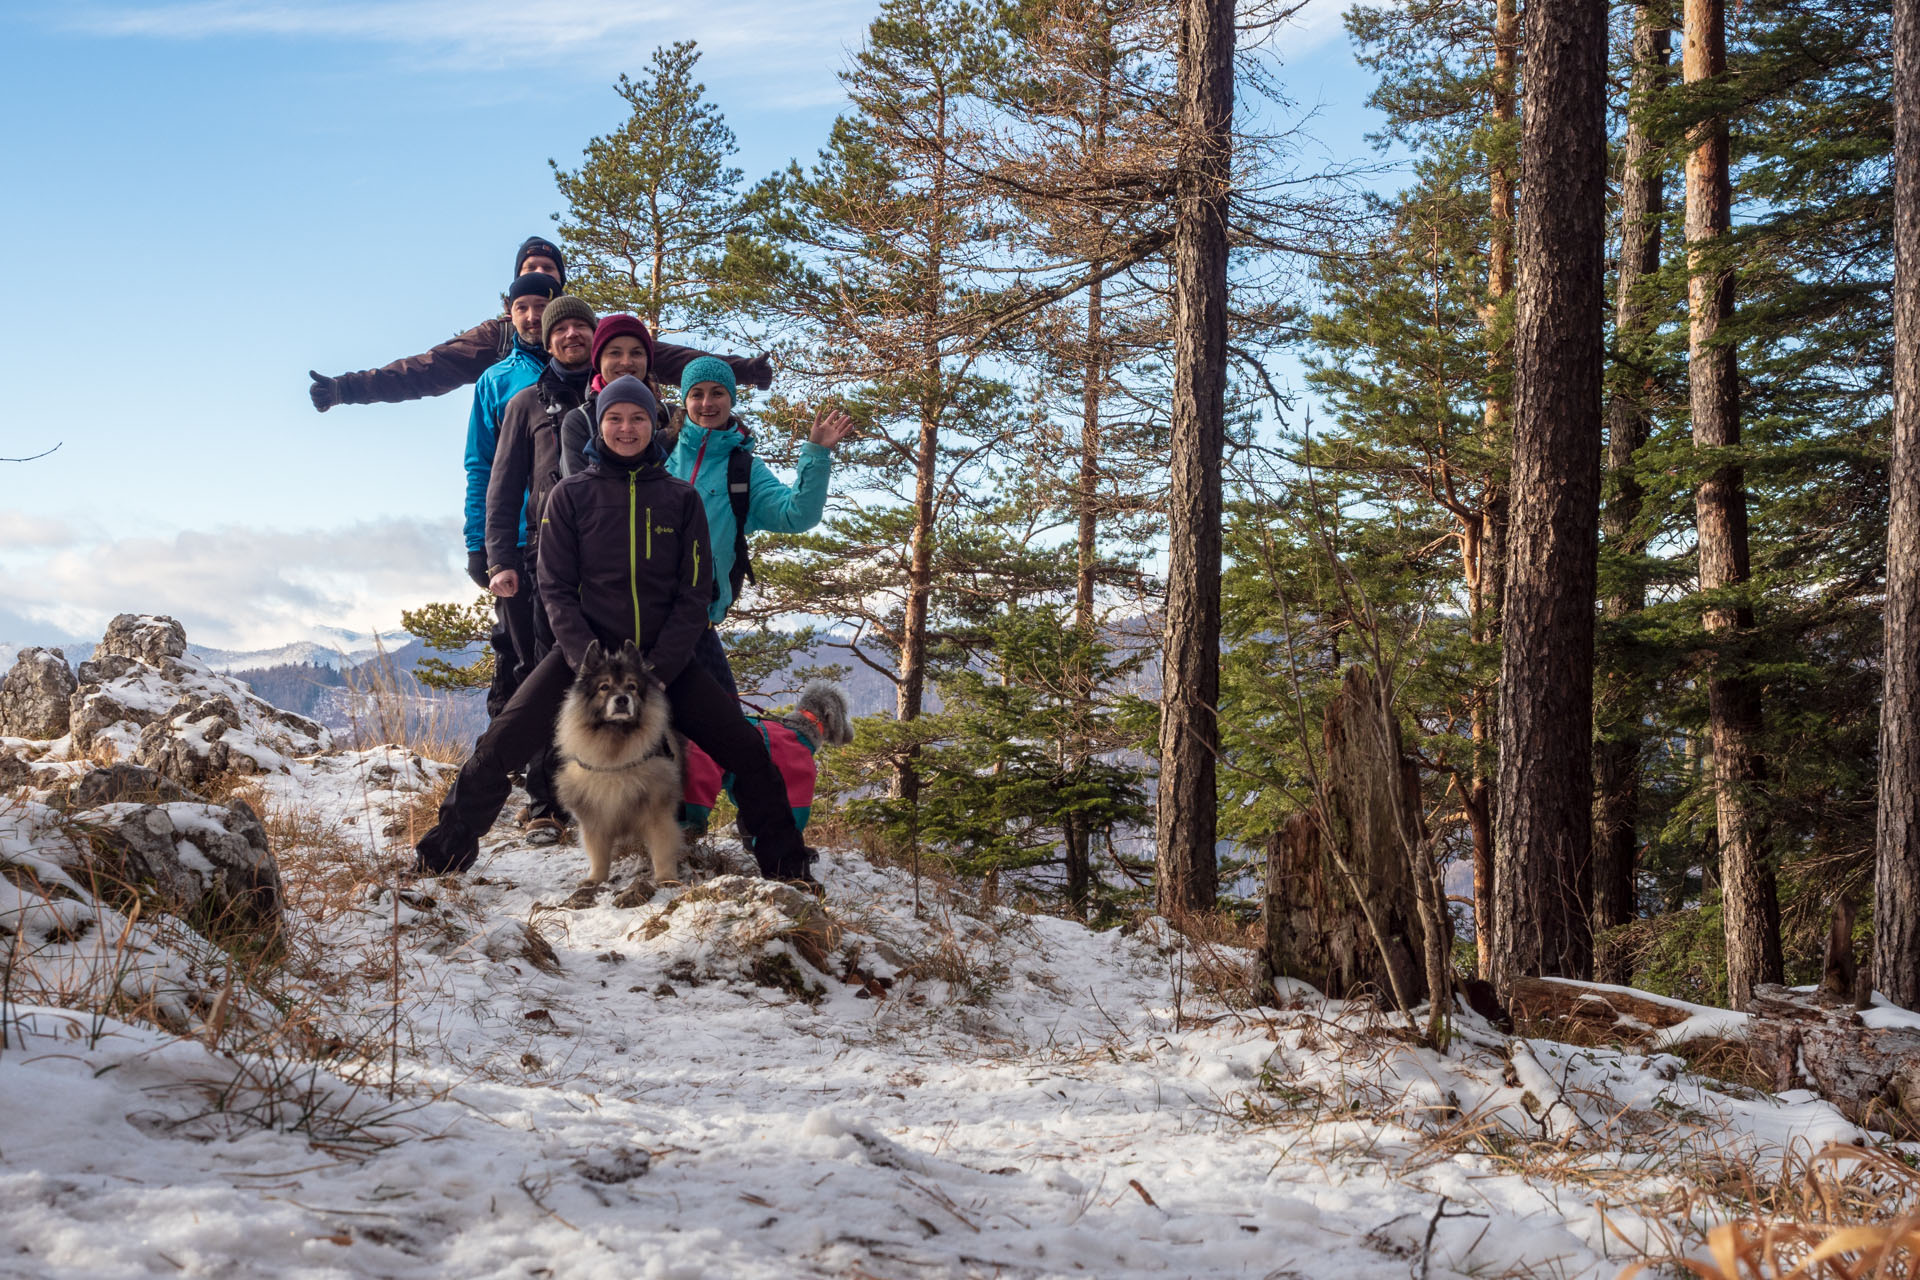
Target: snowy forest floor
[(717, 1083)]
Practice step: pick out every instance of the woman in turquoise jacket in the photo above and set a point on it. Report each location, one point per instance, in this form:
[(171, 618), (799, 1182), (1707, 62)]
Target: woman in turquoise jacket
[(711, 434)]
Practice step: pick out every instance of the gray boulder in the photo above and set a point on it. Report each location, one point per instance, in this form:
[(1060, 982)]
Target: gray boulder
[(207, 862), (125, 782), (35, 695), (141, 699), (96, 710), (144, 637), (103, 667)]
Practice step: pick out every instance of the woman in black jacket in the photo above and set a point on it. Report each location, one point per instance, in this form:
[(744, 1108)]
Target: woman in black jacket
[(623, 556)]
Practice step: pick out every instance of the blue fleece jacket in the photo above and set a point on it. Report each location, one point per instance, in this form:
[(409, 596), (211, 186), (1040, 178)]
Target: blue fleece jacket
[(499, 384), (700, 458)]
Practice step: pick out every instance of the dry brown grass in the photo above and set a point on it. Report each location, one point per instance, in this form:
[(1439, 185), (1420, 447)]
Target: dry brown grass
[(1843, 1213), (1220, 959), (386, 706), (408, 822)]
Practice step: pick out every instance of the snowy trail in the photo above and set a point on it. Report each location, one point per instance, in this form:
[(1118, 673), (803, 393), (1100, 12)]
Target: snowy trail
[(649, 1110)]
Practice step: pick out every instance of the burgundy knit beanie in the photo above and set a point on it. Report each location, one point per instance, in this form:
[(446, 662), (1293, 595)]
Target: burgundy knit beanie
[(617, 326)]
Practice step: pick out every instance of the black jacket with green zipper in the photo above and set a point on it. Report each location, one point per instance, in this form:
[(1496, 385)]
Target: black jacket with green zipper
[(624, 556)]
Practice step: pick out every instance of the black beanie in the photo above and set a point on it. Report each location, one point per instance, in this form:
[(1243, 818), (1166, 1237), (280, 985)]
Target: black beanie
[(535, 246), (533, 284)]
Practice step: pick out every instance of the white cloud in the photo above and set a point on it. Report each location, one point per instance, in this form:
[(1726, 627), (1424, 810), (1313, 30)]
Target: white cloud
[(238, 587), (20, 530), (576, 35)]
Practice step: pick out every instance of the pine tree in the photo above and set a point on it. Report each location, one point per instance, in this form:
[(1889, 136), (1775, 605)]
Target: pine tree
[(1896, 944), (1632, 388), (1449, 86), (869, 263), (650, 207), (1543, 825), (452, 628), (1084, 158), (1185, 806), (1752, 912)]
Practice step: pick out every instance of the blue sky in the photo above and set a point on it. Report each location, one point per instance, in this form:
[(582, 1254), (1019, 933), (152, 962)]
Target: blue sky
[(222, 194)]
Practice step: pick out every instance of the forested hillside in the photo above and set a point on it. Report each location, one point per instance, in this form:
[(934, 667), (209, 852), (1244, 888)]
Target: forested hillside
[(983, 264)]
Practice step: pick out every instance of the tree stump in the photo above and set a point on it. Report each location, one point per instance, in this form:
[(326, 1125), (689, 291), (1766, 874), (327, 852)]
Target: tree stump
[(1316, 913)]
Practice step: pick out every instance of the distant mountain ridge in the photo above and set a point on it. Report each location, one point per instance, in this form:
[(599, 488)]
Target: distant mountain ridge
[(336, 654)]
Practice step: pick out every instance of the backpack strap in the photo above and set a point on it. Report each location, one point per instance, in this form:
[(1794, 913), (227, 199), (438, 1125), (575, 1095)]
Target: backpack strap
[(739, 494)]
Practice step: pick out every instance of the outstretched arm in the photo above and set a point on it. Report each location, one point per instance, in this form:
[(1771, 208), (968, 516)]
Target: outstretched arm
[(670, 360), (778, 508), (455, 363)]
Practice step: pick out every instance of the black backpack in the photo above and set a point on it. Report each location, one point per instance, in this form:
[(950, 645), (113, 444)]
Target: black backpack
[(739, 493)]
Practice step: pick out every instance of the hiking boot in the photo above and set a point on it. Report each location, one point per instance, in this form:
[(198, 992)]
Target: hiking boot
[(445, 850), (545, 831), (797, 870)]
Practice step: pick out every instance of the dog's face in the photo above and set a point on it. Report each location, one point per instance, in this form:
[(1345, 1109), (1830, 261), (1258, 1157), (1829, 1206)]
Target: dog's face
[(615, 687)]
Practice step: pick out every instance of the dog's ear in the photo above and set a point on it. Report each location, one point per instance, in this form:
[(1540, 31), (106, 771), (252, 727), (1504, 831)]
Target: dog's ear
[(595, 655), (630, 648)]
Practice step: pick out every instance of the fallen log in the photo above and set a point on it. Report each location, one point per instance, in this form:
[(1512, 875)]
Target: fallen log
[(1635, 1017), (1817, 1041)]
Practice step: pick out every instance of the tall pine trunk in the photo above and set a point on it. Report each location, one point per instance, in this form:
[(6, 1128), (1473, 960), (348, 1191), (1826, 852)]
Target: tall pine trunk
[(1486, 576), (1184, 821), (1750, 907), (1629, 423), (910, 690), (1543, 825), (1896, 896), (1079, 837)]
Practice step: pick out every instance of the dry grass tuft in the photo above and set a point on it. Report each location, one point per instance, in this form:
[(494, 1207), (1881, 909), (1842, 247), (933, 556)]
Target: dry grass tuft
[(387, 706), (1844, 1213)]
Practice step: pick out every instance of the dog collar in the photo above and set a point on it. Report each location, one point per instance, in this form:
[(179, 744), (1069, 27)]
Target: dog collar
[(664, 749), (819, 730)]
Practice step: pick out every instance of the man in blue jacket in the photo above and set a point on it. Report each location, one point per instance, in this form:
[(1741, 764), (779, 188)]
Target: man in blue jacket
[(528, 299), (711, 434)]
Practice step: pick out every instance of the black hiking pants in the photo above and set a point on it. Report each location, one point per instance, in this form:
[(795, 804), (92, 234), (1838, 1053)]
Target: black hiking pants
[(702, 710), (516, 645), (521, 637), (712, 655), (542, 802)]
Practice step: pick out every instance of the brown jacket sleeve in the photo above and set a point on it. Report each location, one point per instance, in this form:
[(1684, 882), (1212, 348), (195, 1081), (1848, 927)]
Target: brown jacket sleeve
[(457, 362), (669, 359)]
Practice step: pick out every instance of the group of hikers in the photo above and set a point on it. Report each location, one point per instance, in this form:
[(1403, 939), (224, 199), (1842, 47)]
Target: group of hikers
[(594, 512)]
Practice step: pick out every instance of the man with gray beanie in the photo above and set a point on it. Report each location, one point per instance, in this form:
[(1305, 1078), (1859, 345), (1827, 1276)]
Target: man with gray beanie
[(528, 299), (526, 464)]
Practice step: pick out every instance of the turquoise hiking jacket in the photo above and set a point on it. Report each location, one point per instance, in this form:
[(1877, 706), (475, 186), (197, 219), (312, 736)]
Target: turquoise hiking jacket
[(700, 458), (499, 384)]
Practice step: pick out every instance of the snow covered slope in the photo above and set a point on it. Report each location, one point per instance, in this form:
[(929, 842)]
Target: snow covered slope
[(729, 1081)]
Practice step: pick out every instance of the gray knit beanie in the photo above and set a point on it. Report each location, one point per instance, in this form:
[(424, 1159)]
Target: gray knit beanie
[(565, 307)]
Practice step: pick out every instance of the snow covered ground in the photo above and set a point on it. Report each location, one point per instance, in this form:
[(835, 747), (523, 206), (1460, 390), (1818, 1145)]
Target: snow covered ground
[(720, 1083)]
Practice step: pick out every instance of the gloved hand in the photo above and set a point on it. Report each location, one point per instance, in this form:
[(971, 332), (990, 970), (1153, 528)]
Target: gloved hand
[(759, 371), (324, 391), (477, 569)]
